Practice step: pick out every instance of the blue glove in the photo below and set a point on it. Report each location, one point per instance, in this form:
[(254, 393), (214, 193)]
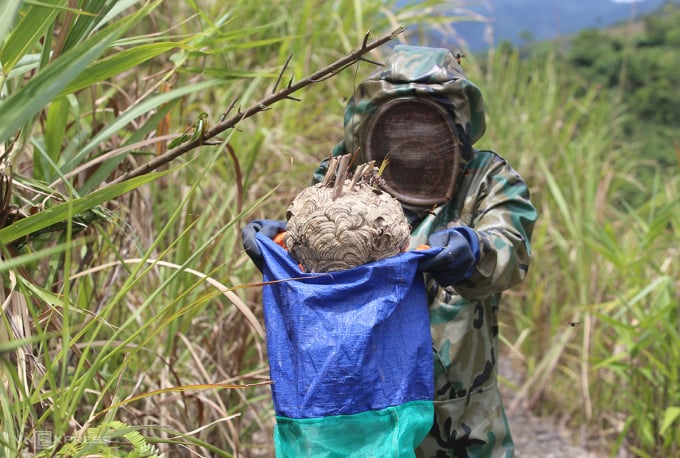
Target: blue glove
[(457, 260), (267, 227)]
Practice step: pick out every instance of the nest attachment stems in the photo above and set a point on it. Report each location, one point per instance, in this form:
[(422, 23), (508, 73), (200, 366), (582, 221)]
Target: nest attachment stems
[(344, 222)]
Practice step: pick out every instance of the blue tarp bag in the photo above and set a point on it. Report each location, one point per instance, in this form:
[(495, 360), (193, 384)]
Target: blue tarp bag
[(350, 356)]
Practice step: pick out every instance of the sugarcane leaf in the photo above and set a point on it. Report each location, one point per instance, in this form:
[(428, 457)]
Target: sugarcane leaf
[(64, 211), (32, 25)]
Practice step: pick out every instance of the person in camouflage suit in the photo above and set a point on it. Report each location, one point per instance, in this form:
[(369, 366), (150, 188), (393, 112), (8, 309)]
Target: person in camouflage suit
[(422, 115), (485, 225)]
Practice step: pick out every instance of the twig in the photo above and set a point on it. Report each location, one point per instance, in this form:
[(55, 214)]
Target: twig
[(343, 164), (239, 178), (330, 173), (283, 70), (360, 172), (228, 110), (262, 105)]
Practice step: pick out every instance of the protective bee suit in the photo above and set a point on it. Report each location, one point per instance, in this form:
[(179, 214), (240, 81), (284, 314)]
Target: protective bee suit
[(422, 114)]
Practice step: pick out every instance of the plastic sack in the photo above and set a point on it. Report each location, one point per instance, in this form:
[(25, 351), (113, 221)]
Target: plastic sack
[(350, 356)]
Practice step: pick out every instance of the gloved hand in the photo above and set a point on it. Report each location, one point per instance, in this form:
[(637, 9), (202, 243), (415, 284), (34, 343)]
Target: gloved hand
[(457, 260), (267, 227)]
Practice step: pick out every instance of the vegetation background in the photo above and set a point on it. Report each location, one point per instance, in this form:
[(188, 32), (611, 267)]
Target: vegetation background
[(131, 320)]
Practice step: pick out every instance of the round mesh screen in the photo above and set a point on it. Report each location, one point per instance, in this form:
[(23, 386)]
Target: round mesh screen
[(418, 139)]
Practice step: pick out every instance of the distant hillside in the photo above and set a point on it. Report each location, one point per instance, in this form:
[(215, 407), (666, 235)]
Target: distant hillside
[(519, 21)]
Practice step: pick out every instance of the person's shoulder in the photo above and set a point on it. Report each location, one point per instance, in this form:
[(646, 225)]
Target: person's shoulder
[(487, 164), (486, 159)]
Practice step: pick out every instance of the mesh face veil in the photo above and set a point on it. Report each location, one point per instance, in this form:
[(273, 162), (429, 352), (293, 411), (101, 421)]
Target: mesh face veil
[(417, 137), (422, 113)]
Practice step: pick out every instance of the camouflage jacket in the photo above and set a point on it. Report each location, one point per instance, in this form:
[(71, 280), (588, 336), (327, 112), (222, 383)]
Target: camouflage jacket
[(493, 200), (490, 198)]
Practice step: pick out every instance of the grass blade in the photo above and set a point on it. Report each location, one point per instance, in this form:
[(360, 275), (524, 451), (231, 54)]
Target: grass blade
[(62, 212)]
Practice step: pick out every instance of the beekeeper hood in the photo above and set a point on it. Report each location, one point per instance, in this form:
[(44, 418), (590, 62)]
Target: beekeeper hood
[(421, 114)]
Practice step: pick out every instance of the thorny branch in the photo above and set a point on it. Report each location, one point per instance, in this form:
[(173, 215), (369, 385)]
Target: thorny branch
[(262, 105)]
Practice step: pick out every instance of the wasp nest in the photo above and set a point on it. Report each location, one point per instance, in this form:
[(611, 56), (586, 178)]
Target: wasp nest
[(343, 222)]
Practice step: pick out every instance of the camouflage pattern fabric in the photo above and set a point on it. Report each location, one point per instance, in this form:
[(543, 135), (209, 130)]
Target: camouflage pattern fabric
[(492, 199), (414, 71), (433, 73)]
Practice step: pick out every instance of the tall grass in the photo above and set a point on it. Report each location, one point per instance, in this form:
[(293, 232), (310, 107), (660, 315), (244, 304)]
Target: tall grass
[(596, 323), (128, 326), (98, 341)]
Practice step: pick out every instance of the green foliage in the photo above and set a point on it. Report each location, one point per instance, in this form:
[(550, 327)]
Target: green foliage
[(602, 261), (145, 327), (73, 110), (77, 211), (126, 307), (98, 440), (640, 70)]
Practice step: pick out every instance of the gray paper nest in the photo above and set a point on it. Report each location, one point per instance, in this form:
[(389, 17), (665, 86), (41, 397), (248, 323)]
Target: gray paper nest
[(345, 221)]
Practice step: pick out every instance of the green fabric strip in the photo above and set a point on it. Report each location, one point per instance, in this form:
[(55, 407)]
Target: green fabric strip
[(391, 432)]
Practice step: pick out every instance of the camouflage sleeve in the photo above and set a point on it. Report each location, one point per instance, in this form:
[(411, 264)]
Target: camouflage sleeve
[(501, 212), (320, 171)]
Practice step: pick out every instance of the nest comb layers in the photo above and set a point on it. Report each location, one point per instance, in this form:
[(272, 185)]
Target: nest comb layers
[(330, 230)]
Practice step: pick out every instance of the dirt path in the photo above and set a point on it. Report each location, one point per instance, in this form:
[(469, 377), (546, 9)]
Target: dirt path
[(539, 437)]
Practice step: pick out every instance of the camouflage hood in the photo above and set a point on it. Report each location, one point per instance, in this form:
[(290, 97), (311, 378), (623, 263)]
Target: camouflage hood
[(417, 71)]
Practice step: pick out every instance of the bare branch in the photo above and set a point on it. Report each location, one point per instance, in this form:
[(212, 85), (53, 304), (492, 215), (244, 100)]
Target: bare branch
[(368, 34), (262, 105), (371, 61), (343, 164), (228, 110), (283, 70)]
